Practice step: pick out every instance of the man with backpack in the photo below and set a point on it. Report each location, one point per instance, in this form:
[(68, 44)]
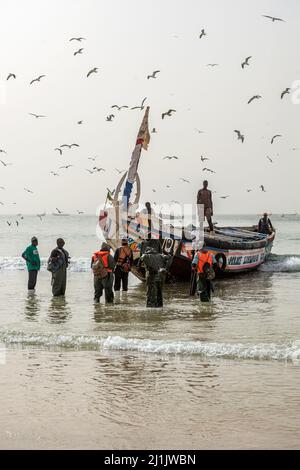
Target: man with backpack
[(124, 259), (202, 264), (57, 265), (156, 265), (103, 265)]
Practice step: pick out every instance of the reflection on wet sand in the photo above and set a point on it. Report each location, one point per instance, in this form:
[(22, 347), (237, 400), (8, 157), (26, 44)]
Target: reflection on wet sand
[(32, 306), (59, 311)]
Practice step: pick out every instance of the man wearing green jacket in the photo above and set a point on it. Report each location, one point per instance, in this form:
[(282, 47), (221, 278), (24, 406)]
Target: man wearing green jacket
[(33, 262)]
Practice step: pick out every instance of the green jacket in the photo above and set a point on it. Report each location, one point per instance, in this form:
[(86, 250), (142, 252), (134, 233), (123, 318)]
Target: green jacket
[(32, 257)]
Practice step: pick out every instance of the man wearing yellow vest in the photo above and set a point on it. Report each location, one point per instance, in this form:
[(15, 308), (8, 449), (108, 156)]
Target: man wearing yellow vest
[(203, 263), (103, 265)]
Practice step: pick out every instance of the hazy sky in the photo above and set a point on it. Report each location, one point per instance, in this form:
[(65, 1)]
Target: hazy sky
[(127, 40)]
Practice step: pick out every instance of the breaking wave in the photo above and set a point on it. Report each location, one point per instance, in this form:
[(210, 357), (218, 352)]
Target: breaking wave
[(281, 264), (277, 352), (275, 263), (18, 264)]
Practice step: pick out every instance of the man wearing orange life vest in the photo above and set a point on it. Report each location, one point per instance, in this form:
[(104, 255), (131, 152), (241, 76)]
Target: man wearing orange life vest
[(202, 261), (106, 282), (124, 259)]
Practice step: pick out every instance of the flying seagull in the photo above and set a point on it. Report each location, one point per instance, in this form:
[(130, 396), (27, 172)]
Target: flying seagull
[(211, 65), (28, 190), (10, 75), (66, 166), (262, 188), (110, 117), (285, 92), (60, 150), (79, 212), (202, 33), (255, 97), (37, 79), (270, 159), (69, 145), (3, 151), (60, 212), (224, 197), (79, 122), (199, 131), (37, 115), (76, 39), (4, 163), (203, 158), (208, 169), (274, 137), (273, 18), (92, 158), (120, 171), (79, 51), (90, 171), (119, 107), (94, 70), (184, 180), (239, 135), (249, 190), (170, 158), (98, 169), (142, 105), (153, 74), (53, 173), (168, 113), (246, 61)]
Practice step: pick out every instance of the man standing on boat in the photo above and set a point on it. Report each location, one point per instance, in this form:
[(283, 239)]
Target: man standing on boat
[(265, 225), (204, 197), (124, 259)]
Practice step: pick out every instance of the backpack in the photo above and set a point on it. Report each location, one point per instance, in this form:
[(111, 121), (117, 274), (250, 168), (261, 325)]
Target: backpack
[(99, 269), (53, 265)]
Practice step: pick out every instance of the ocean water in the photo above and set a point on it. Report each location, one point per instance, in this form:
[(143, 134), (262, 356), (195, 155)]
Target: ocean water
[(190, 375)]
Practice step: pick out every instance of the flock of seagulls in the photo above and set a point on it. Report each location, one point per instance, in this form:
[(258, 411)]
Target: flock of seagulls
[(168, 113)]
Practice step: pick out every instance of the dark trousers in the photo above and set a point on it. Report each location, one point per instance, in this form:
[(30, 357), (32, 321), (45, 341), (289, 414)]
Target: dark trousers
[(154, 291), (204, 287), (32, 277), (105, 284), (121, 276), (210, 224), (59, 281)]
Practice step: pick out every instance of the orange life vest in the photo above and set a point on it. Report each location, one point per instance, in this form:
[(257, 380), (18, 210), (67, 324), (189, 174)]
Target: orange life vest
[(202, 259), (124, 252), (104, 255)]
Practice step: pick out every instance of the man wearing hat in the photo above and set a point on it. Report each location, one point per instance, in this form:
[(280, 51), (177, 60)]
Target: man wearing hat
[(103, 265), (124, 260), (59, 258), (265, 225), (32, 258), (156, 265)]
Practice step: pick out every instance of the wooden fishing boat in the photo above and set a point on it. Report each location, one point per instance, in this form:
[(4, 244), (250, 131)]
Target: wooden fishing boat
[(235, 249)]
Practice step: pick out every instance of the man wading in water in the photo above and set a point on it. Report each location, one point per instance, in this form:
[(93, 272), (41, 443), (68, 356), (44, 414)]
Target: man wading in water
[(204, 197), (57, 264)]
